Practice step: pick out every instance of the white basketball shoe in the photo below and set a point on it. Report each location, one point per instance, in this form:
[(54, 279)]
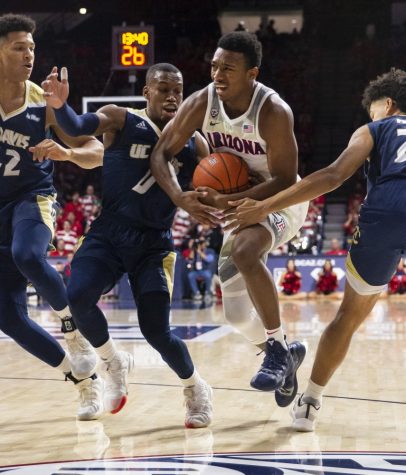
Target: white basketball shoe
[(304, 413), (83, 357), (199, 406), (90, 398), (116, 372)]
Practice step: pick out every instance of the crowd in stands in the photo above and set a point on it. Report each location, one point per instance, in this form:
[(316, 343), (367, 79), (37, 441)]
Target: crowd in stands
[(291, 65), (73, 220)]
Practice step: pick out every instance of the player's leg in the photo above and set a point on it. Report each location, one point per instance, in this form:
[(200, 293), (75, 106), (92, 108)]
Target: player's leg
[(152, 287), (370, 265), (15, 322), (331, 351), (237, 305), (32, 233), (248, 251), (243, 272), (90, 278)]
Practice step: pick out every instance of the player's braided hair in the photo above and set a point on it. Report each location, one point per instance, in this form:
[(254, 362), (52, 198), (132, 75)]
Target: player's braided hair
[(391, 84), (245, 43)]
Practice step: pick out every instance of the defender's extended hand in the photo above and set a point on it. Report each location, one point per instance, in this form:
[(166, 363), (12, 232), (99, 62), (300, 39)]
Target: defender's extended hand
[(190, 202), (56, 92), (244, 213)]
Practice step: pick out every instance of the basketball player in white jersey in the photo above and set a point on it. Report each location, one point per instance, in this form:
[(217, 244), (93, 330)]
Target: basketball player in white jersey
[(239, 115)]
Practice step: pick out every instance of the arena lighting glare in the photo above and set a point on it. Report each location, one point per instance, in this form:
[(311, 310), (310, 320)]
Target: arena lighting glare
[(83, 10)]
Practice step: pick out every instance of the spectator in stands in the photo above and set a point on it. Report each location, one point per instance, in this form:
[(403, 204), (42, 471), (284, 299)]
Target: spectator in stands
[(180, 228), (67, 269), (291, 282), (67, 235), (335, 248), (356, 198), (60, 250), (77, 225), (88, 200), (397, 285), (74, 206), (199, 260), (90, 215), (327, 283), (350, 225)]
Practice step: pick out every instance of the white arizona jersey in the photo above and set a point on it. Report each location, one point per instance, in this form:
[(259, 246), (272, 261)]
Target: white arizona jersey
[(239, 136)]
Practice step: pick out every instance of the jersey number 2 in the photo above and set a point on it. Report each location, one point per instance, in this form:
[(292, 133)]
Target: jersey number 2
[(10, 167), (401, 155)]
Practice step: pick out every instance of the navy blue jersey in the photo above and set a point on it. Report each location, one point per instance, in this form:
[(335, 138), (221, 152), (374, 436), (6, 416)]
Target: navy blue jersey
[(21, 129), (129, 189), (386, 170)]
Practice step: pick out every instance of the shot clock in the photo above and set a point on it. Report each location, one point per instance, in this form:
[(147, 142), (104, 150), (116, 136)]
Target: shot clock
[(132, 47)]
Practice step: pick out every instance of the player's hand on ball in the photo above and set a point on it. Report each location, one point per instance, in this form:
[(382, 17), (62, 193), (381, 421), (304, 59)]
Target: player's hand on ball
[(191, 201), (213, 198), (244, 213), (56, 92)]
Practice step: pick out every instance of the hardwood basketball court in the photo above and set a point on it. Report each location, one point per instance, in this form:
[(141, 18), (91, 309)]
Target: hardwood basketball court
[(364, 409)]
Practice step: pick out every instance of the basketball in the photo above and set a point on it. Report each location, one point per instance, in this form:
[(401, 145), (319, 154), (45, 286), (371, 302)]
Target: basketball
[(223, 172)]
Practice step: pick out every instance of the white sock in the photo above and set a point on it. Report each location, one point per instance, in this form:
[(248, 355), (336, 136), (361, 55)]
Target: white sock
[(314, 391), (107, 351), (65, 365), (193, 380), (65, 312), (278, 335)]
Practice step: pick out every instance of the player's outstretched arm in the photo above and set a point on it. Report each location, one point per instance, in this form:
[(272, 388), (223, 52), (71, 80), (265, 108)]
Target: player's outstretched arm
[(88, 152), (247, 212), (56, 92), (85, 151)]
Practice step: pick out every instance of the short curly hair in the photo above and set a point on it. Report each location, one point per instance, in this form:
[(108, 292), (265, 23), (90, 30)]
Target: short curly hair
[(391, 84), (11, 22), (245, 43)]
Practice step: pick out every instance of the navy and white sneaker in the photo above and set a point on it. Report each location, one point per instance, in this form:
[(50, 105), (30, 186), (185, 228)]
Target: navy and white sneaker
[(276, 366), (287, 392)]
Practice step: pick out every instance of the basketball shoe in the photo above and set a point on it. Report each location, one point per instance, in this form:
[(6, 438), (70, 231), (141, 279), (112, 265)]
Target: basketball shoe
[(304, 413), (90, 398), (287, 392), (199, 406), (117, 371), (83, 357), (277, 365)]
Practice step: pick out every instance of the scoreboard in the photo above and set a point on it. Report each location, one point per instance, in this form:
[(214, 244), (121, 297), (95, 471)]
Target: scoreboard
[(132, 47)]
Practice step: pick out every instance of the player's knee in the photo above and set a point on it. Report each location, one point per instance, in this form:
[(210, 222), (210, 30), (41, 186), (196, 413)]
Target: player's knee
[(243, 255), (158, 340), (80, 300), (27, 260), (9, 318)]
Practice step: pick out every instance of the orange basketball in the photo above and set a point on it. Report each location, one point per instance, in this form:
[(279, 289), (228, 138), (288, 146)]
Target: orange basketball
[(223, 172)]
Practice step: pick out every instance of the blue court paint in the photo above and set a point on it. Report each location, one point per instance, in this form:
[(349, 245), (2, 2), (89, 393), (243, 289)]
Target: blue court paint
[(289, 463)]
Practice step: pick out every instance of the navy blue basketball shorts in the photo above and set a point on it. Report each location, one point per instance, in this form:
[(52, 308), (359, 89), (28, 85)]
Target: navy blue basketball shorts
[(36, 207), (147, 255), (377, 246)]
